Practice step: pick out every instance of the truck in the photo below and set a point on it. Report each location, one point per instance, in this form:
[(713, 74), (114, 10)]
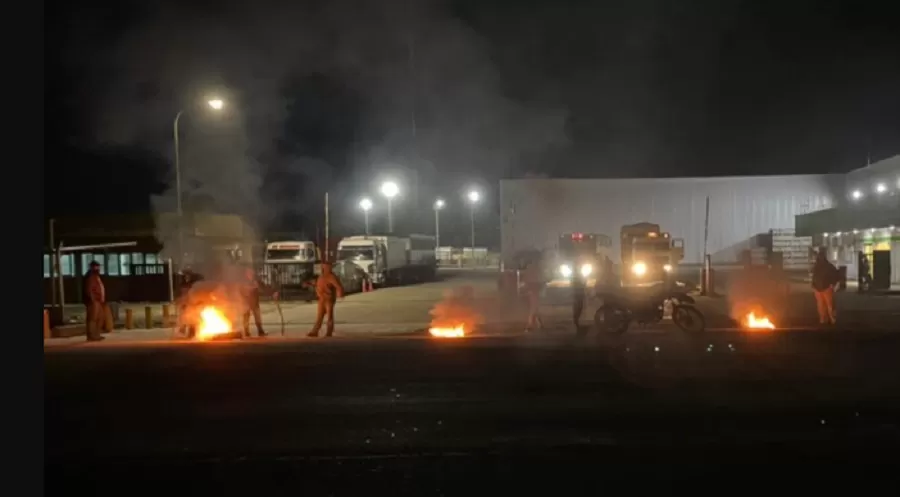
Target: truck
[(581, 252), (649, 255), (288, 264), (391, 260)]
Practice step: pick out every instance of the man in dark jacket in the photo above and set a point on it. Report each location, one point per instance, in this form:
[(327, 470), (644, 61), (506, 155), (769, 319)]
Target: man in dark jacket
[(824, 277), (186, 280), (94, 296), (251, 289)]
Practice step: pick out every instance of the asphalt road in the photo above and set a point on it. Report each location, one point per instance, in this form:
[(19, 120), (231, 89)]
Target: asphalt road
[(421, 416)]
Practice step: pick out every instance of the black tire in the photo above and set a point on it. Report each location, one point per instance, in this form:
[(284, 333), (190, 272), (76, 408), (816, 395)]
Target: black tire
[(611, 319), (688, 318)]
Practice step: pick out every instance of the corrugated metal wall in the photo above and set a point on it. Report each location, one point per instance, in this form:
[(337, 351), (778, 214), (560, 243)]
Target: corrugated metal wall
[(535, 211)]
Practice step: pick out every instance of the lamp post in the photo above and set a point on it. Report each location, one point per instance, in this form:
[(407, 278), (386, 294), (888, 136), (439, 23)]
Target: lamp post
[(390, 190), (474, 198), (215, 104), (366, 205), (438, 205)]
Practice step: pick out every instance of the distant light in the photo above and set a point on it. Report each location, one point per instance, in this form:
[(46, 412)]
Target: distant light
[(474, 196), (856, 194), (825, 235), (217, 103), (438, 204), (871, 230), (365, 204), (880, 188), (838, 233), (390, 189), (855, 232)]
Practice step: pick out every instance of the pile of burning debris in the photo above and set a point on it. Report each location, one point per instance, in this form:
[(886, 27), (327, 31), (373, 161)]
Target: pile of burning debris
[(211, 310), (456, 315)]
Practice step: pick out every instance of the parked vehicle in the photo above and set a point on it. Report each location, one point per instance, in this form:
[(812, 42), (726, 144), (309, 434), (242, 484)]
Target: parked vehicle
[(288, 265), (391, 260), (645, 306)]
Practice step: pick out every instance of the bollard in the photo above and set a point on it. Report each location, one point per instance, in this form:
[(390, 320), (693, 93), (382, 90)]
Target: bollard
[(148, 317), (165, 312), (129, 319), (46, 324)]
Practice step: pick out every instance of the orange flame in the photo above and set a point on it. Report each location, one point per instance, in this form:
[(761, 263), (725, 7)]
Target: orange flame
[(758, 322), (212, 323), (456, 332)]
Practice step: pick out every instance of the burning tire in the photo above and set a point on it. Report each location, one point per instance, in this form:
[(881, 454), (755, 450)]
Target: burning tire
[(688, 318)]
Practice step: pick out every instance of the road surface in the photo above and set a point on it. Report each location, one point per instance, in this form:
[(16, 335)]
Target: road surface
[(420, 416)]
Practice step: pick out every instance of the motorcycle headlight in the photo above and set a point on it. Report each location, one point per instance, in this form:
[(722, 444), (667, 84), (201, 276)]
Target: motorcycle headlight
[(667, 268), (586, 270), (639, 269), (565, 270)]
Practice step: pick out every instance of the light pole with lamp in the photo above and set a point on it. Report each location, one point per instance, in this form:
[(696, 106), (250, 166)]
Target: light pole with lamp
[(215, 104), (474, 198), (390, 190), (438, 205), (366, 205)]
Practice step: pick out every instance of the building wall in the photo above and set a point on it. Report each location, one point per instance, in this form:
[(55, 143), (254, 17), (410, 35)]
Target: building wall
[(534, 212)]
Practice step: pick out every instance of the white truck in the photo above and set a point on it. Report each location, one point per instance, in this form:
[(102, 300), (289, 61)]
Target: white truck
[(289, 264), (391, 260)]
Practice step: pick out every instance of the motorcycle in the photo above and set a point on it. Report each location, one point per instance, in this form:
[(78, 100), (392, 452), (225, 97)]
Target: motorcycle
[(647, 306)]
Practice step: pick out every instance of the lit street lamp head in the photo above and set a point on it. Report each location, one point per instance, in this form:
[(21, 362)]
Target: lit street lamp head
[(438, 204), (216, 103), (390, 189), (474, 196), (365, 204)]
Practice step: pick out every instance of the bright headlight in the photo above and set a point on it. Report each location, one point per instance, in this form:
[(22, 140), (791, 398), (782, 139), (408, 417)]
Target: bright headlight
[(667, 268), (565, 270), (586, 270), (639, 269)]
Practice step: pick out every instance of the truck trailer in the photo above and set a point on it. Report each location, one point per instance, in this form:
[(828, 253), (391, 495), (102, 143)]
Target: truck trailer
[(391, 260)]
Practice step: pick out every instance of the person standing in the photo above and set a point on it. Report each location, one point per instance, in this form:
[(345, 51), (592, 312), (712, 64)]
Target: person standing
[(824, 278), (578, 296), (94, 296), (251, 289), (328, 289), (186, 280), (533, 285)]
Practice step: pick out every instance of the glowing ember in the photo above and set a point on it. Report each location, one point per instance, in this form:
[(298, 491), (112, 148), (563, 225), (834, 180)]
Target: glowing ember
[(457, 332), (212, 323), (758, 322)]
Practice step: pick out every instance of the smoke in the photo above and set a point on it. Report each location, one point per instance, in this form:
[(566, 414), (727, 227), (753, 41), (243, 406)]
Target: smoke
[(318, 97), (458, 307)]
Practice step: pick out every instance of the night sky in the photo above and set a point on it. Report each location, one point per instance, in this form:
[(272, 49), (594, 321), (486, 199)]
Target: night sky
[(320, 95)]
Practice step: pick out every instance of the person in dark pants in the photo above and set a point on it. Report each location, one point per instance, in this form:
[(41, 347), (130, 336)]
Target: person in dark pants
[(94, 297), (186, 280), (251, 289), (824, 278), (865, 277), (578, 295), (328, 289)]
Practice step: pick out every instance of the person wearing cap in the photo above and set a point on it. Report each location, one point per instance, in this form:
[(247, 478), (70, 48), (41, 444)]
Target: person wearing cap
[(94, 297), (328, 289)]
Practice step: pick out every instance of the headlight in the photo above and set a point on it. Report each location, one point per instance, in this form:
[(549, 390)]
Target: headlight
[(667, 268), (586, 270), (639, 269), (565, 270)]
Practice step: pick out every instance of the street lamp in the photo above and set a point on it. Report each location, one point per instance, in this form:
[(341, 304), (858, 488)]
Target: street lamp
[(474, 198), (215, 104), (390, 190), (438, 205), (366, 205)]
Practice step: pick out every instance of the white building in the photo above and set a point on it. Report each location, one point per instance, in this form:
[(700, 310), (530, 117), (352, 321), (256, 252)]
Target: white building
[(534, 212)]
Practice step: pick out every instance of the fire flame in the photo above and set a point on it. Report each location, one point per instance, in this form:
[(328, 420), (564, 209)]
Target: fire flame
[(212, 323), (759, 322), (456, 332)]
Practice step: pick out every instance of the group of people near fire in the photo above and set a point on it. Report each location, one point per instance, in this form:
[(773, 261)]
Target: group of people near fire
[(250, 289)]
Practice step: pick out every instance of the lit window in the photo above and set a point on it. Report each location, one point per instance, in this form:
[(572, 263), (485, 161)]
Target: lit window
[(137, 258), (125, 264), (46, 266), (112, 265), (67, 268), (150, 259)]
